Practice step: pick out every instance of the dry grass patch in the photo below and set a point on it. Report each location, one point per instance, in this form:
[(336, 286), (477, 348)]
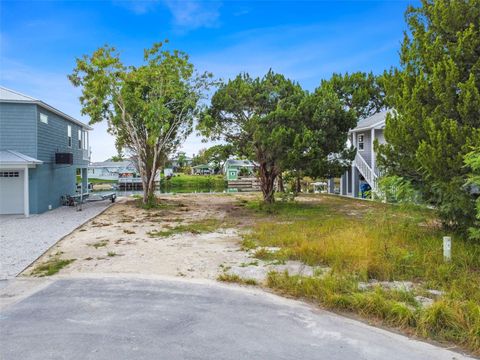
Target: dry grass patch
[(380, 242), (197, 227), (99, 244)]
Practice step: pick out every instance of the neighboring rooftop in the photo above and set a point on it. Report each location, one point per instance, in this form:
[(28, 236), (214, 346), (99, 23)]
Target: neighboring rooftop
[(11, 96), (10, 157), (113, 164), (375, 121), (235, 162)]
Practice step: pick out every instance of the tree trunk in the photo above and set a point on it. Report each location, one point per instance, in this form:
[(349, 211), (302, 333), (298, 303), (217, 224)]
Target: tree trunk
[(148, 173), (268, 174), (281, 187), (298, 185)]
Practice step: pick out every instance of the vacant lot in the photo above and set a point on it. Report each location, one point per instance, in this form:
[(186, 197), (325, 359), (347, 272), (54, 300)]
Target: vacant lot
[(186, 235), (381, 262), (385, 263)]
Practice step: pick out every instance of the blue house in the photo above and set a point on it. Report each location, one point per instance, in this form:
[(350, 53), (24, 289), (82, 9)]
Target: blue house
[(363, 173), (42, 150)]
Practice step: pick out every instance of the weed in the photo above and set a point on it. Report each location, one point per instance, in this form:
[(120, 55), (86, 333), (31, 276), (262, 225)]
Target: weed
[(252, 263), (234, 278), (248, 244), (128, 231), (360, 241), (198, 227), (51, 267), (112, 253), (99, 244)]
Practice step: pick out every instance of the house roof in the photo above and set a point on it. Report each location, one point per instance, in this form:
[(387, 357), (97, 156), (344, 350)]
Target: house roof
[(203, 166), (375, 121), (235, 162), (10, 157), (113, 164), (11, 96)]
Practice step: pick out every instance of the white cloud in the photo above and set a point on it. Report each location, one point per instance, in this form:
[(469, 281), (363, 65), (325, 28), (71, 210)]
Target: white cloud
[(138, 7), (191, 14), (323, 49), (187, 14)]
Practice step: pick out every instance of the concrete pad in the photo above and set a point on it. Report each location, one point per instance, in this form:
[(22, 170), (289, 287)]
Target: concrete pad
[(23, 240), (125, 318)]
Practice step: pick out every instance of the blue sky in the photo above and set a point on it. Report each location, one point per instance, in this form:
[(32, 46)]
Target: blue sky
[(305, 40)]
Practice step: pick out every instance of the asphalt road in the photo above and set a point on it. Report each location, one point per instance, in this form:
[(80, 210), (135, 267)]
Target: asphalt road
[(120, 318)]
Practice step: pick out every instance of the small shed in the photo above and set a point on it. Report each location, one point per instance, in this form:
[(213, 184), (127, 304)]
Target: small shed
[(232, 174)]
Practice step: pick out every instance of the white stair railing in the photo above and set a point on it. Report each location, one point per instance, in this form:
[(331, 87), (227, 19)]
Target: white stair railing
[(366, 171)]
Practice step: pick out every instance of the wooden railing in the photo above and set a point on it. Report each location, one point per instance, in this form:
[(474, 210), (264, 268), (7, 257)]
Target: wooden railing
[(366, 171)]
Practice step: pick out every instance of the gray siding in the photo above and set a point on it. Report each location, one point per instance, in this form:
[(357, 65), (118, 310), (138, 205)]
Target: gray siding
[(18, 128), (22, 131), (52, 138), (380, 136), (49, 182), (367, 146), (52, 181)]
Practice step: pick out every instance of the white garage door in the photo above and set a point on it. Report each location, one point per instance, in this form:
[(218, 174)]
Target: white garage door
[(11, 191)]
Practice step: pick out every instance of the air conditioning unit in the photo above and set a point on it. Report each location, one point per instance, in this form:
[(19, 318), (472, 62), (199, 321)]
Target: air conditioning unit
[(64, 158)]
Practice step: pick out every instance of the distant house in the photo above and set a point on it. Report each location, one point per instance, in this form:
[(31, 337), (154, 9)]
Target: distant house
[(111, 170), (233, 168), (364, 172), (205, 169), (180, 160), (42, 150)]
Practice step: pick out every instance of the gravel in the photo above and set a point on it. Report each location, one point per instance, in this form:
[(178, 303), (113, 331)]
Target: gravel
[(23, 240)]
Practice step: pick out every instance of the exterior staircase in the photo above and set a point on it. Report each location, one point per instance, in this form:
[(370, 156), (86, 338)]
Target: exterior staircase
[(366, 171)]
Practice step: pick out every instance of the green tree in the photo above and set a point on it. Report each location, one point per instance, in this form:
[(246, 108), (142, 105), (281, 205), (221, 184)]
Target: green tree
[(323, 121), (149, 108), (472, 161), (361, 92), (218, 155), (200, 158), (436, 97), (255, 116)]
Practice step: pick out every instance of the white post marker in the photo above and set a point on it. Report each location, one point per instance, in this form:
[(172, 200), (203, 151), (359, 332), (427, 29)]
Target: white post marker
[(447, 248)]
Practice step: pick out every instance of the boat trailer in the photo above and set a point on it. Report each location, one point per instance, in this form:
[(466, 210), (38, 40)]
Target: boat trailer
[(79, 199)]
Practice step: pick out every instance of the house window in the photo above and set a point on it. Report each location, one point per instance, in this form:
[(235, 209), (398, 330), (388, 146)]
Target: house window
[(79, 139), (69, 135), (85, 140), (43, 118), (360, 142), (9, 174)]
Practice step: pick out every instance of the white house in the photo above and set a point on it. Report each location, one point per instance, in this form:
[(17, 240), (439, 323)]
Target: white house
[(364, 168), (110, 170)]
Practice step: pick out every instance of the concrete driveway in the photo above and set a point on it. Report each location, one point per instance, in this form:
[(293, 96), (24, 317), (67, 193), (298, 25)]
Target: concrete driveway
[(23, 240), (125, 318)]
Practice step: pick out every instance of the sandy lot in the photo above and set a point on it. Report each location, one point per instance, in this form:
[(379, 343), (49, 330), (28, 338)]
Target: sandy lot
[(120, 240)]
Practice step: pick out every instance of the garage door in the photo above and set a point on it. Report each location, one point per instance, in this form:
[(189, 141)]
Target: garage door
[(11, 192)]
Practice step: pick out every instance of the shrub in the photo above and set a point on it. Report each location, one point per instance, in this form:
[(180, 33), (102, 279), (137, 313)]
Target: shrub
[(395, 189)]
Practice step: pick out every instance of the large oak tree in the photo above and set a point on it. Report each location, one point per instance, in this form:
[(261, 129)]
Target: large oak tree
[(255, 115)]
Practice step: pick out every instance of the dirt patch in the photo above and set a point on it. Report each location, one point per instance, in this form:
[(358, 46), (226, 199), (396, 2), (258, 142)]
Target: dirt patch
[(120, 240)]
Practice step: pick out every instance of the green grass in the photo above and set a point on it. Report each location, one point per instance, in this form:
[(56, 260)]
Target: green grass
[(51, 267), (234, 278), (191, 183), (197, 227), (361, 241)]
